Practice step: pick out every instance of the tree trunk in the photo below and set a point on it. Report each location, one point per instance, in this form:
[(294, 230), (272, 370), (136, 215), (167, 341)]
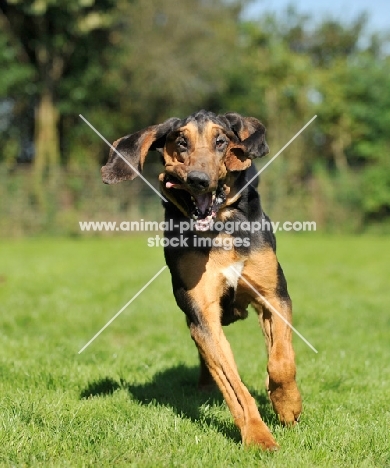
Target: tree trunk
[(341, 140), (47, 149), (46, 142)]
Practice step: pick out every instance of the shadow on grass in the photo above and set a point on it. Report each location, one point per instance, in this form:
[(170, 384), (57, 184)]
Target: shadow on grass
[(176, 388), (101, 387)]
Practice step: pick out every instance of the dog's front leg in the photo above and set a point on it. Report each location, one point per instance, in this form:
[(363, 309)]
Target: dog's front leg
[(199, 296), (215, 350)]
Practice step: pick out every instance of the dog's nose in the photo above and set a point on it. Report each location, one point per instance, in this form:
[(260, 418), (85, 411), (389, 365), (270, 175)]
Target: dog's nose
[(198, 180)]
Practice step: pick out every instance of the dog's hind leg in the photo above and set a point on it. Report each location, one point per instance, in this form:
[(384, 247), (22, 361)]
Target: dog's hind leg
[(265, 275), (206, 382)]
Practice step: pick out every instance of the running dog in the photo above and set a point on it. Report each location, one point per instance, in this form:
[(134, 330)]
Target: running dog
[(218, 273)]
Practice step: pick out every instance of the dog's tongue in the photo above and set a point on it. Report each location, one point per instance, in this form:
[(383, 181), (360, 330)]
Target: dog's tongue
[(203, 202)]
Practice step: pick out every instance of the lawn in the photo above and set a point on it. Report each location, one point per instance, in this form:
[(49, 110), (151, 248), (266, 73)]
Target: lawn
[(130, 398)]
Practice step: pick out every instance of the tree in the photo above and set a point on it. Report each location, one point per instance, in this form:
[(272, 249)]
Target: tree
[(50, 37), (290, 70), (14, 76), (172, 57)]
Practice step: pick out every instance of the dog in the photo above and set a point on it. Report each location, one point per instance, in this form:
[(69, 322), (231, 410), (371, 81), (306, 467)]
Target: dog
[(217, 273)]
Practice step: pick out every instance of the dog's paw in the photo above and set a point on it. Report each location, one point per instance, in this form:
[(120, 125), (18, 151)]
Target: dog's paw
[(287, 403), (257, 434)]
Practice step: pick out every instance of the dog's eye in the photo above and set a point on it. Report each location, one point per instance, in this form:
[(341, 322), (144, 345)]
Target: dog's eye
[(182, 144), (220, 142)]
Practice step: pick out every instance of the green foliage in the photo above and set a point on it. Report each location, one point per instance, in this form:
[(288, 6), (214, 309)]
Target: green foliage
[(171, 58), (130, 398), (78, 195), (376, 187), (13, 74), (290, 71), (125, 65)]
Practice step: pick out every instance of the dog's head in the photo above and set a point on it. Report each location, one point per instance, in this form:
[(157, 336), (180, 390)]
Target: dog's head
[(203, 154)]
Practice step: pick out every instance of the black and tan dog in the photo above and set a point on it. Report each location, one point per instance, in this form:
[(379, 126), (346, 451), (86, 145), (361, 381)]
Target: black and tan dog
[(207, 160)]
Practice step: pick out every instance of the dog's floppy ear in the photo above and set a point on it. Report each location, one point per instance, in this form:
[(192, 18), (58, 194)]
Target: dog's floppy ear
[(251, 143), (134, 149)]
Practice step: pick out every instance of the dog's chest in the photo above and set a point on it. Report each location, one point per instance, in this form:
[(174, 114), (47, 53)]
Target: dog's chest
[(232, 273)]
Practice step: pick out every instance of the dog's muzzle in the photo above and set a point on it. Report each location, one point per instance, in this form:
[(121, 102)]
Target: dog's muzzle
[(205, 203)]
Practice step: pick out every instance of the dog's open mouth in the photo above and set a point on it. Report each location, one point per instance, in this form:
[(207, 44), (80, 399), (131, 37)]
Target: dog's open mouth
[(202, 208)]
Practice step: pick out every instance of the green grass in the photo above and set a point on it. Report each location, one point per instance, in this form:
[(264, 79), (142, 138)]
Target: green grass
[(130, 399)]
